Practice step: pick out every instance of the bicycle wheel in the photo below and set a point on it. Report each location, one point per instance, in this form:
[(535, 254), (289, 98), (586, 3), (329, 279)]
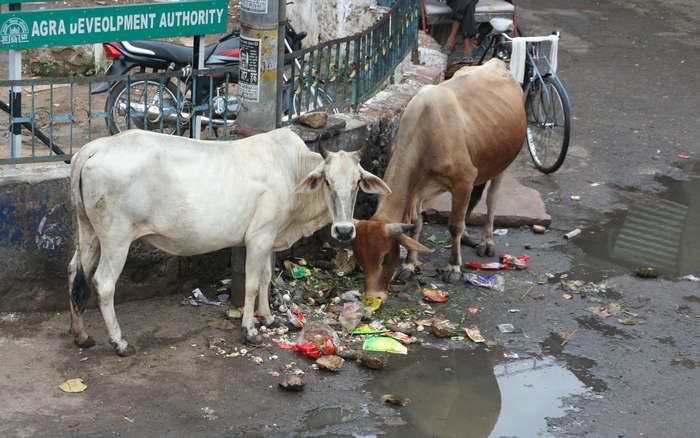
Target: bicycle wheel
[(317, 100), (548, 114)]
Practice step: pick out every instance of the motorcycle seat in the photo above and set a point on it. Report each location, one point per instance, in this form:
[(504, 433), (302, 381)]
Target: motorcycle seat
[(176, 53)]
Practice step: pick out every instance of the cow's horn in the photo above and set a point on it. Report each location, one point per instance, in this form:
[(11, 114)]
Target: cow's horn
[(397, 228), (360, 152), (322, 150)]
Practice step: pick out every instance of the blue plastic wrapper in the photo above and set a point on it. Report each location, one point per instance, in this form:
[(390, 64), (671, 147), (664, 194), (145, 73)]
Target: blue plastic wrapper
[(495, 282)]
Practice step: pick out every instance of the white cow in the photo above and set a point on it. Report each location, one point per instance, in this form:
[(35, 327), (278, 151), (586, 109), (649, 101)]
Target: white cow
[(190, 197)]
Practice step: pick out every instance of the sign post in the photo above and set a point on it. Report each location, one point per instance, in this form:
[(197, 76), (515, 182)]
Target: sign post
[(15, 73), (262, 61), (197, 63)]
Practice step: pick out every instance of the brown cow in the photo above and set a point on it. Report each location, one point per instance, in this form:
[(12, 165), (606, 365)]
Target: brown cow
[(454, 137)]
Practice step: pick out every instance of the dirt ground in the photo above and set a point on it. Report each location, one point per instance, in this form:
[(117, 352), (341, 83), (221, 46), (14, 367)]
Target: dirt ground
[(629, 68)]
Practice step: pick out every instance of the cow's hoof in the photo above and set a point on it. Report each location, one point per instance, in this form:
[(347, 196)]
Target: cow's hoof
[(252, 339), (468, 241), (405, 274), (485, 250), (382, 295), (87, 343), (129, 350), (451, 276), (275, 323)]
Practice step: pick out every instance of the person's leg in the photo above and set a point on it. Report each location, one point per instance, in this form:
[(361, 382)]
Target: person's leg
[(452, 39), (468, 46), (469, 28), (457, 17)]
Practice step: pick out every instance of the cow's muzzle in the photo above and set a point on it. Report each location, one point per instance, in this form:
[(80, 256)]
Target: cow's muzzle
[(343, 232)]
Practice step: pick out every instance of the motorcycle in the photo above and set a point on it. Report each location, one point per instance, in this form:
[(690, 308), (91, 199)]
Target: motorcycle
[(166, 105)]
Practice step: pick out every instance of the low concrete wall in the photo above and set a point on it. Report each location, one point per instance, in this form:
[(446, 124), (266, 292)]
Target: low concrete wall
[(37, 242), (37, 218)]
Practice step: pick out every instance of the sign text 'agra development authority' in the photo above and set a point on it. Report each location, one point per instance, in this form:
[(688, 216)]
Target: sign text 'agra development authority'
[(58, 27)]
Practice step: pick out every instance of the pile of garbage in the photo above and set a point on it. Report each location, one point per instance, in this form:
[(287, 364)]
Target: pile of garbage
[(328, 320)]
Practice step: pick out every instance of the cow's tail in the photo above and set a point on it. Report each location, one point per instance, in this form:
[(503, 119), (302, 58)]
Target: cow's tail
[(477, 192), (87, 248)]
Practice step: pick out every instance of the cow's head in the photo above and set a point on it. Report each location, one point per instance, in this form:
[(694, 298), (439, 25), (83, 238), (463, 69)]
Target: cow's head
[(376, 249), (339, 176)]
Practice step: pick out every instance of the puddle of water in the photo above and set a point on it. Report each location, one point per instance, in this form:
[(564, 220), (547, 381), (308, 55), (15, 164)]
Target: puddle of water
[(579, 366), (663, 233), (324, 417), (465, 394)]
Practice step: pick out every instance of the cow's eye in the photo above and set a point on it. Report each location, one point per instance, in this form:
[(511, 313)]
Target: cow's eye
[(386, 260)]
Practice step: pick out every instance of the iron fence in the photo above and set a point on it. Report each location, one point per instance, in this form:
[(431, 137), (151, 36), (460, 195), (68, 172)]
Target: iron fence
[(58, 115), (344, 72)]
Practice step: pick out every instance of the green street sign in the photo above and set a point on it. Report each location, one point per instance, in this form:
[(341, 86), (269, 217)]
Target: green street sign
[(67, 27), (9, 2)]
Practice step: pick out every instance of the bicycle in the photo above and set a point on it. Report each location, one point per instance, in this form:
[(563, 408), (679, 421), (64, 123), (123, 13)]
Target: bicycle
[(547, 106), (547, 103), (295, 103)]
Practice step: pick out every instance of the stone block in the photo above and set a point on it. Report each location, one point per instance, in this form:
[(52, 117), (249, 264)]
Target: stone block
[(517, 206)]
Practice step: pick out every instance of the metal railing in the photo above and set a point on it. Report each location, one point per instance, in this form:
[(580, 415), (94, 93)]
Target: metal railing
[(61, 114), (346, 71)]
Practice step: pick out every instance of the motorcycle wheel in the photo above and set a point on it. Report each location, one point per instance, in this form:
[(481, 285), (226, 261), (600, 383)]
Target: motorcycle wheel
[(154, 107)]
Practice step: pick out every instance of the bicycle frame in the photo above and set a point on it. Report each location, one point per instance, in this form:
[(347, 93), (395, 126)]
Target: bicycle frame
[(533, 54)]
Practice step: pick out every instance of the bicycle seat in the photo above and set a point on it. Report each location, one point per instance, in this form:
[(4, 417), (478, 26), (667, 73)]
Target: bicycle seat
[(494, 7), (164, 50), (501, 24)]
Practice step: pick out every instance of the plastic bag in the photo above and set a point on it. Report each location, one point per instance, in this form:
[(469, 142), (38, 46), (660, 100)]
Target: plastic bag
[(317, 331), (296, 318), (351, 315), (512, 262), (315, 340), (496, 282), (351, 295)]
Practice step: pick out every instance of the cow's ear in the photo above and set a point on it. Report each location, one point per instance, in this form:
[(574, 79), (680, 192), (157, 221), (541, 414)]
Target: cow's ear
[(412, 244), (395, 229), (312, 181), (372, 184)]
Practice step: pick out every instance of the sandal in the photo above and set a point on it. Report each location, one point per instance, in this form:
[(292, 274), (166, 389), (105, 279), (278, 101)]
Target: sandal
[(470, 58)]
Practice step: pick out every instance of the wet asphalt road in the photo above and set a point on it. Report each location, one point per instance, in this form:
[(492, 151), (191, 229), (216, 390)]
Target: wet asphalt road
[(631, 69)]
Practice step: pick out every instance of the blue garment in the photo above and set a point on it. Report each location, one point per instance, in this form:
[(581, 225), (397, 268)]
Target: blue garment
[(463, 11)]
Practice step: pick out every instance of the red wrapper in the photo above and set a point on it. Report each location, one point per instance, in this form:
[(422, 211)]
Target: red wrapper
[(311, 349), (435, 295)]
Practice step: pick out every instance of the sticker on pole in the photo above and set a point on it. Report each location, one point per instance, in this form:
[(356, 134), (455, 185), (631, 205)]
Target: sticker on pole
[(254, 6), (249, 80)]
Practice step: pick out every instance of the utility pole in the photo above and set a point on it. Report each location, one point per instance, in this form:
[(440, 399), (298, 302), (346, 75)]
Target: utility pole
[(262, 60), (260, 85)]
